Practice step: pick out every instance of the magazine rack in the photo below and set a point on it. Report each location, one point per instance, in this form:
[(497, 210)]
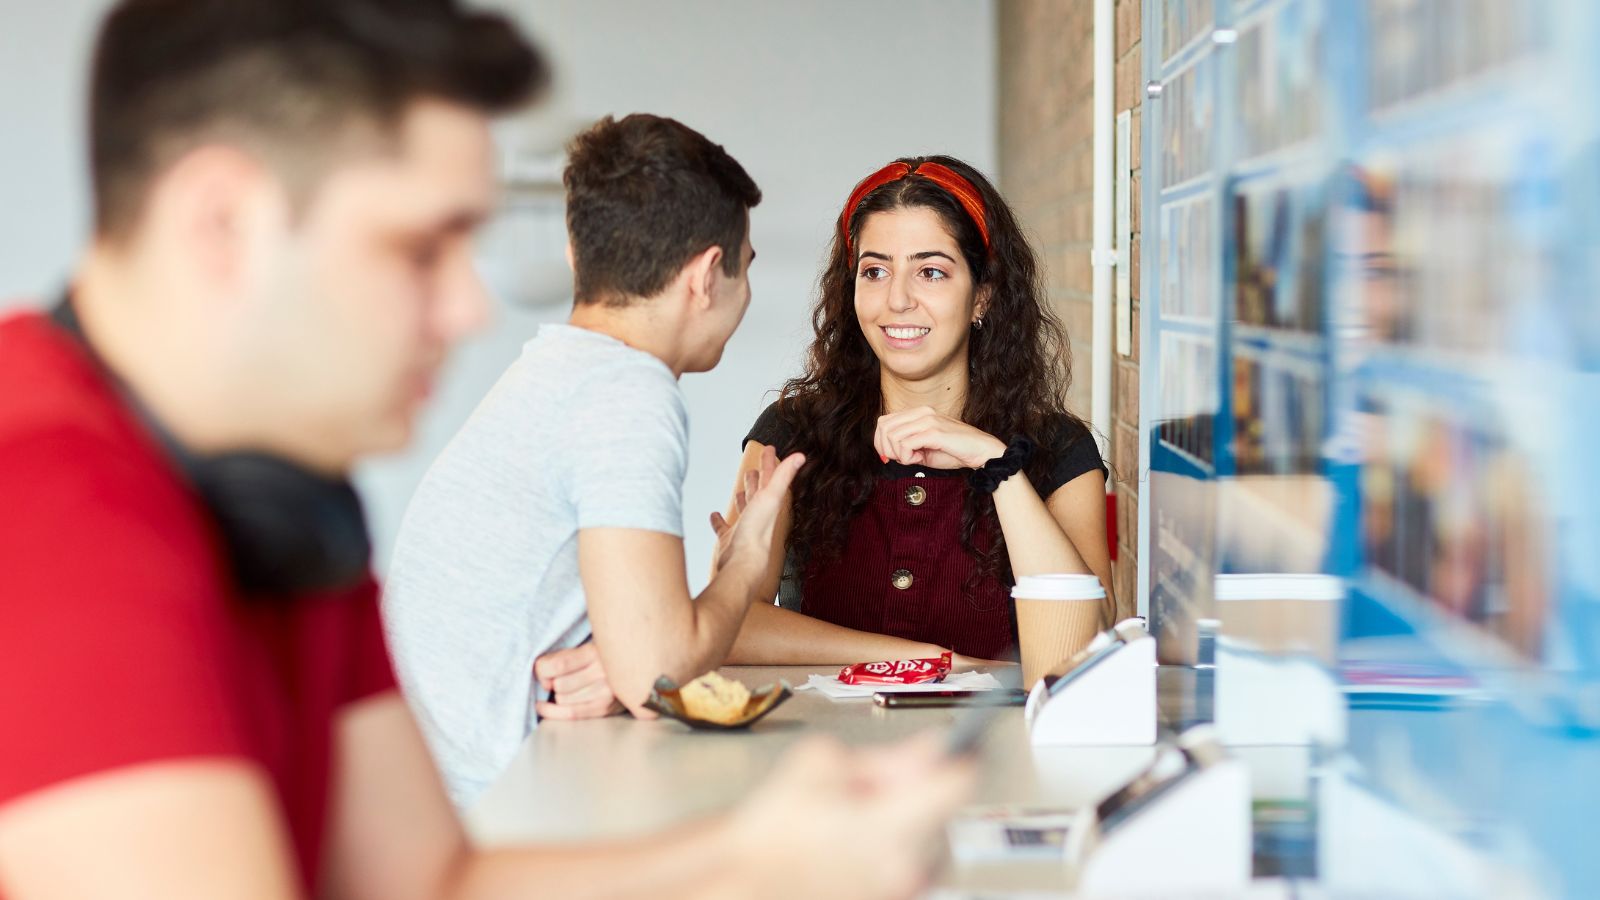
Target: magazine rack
[(1192, 803), (1106, 696)]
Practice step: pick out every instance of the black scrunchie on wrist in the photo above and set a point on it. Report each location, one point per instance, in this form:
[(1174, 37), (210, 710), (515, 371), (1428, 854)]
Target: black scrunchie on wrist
[(996, 470)]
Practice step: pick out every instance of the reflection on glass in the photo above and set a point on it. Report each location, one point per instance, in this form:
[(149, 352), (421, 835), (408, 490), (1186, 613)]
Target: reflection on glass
[(1374, 400)]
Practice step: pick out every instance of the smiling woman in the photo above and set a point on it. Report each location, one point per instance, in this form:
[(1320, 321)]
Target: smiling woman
[(936, 353), (915, 297)]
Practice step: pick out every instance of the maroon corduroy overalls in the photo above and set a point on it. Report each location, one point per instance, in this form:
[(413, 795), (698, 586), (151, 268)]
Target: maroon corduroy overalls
[(902, 571)]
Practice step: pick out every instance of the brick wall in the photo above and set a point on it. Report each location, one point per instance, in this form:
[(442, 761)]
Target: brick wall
[(1046, 110)]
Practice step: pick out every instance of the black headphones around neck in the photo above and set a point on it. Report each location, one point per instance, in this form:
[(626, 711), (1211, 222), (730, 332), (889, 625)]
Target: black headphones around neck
[(288, 530)]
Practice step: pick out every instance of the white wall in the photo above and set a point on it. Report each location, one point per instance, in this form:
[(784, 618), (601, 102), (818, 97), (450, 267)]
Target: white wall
[(44, 193), (810, 97)]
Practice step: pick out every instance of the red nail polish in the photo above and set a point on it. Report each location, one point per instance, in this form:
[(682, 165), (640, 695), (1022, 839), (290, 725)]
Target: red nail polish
[(883, 458)]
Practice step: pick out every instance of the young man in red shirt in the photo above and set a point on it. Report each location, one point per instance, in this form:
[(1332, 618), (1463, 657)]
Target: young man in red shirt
[(195, 696)]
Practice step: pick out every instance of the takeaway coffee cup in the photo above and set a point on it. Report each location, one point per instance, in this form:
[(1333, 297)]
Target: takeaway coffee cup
[(1285, 614), (1057, 615)]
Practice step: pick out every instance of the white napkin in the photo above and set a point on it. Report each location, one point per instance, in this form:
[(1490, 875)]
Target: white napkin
[(834, 689)]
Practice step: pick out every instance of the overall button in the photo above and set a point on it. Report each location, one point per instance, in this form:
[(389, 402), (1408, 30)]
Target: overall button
[(916, 495), (901, 579)]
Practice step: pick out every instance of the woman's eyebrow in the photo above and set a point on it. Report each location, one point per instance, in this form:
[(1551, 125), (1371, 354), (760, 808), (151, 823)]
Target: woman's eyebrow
[(925, 254)]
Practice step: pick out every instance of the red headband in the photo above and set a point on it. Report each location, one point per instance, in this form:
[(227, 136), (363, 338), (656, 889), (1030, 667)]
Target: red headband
[(943, 176)]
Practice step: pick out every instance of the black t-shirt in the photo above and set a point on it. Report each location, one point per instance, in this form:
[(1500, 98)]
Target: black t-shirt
[(1073, 446)]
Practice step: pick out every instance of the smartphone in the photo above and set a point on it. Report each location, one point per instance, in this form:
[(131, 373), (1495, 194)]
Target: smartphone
[(897, 700)]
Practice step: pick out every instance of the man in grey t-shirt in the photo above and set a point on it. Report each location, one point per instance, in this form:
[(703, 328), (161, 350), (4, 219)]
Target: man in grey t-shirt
[(557, 510)]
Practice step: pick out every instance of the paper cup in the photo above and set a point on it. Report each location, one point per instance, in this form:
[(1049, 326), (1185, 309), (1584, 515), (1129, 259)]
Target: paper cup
[(1057, 615), (1281, 613)]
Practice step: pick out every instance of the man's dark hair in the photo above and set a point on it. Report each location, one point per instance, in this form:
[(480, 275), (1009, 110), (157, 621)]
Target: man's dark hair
[(287, 79), (645, 194)]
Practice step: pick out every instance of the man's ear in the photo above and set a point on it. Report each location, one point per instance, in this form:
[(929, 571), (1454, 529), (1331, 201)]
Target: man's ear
[(218, 201), (572, 259), (701, 274)]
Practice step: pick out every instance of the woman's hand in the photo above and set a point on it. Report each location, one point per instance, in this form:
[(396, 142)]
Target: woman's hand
[(923, 437)]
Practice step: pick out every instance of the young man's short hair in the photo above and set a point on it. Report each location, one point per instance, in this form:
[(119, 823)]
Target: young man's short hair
[(645, 194), (284, 78)]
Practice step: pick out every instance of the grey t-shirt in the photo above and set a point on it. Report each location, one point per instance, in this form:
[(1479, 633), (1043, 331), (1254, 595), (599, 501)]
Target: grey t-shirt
[(582, 431)]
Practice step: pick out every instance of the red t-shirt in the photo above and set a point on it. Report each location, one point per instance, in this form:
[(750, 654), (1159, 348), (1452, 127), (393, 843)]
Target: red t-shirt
[(122, 637)]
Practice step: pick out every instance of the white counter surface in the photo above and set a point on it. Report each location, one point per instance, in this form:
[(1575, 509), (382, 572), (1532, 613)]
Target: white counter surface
[(615, 777)]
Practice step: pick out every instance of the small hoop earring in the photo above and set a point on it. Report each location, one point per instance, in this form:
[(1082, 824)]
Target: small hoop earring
[(977, 324)]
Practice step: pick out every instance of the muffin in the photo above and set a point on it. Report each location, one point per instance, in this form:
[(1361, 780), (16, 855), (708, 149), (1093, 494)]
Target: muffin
[(715, 699)]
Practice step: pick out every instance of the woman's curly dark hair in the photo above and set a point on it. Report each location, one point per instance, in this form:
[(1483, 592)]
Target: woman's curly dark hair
[(1020, 369)]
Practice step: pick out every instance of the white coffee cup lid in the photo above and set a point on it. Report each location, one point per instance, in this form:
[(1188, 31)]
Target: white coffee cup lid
[(1059, 587)]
